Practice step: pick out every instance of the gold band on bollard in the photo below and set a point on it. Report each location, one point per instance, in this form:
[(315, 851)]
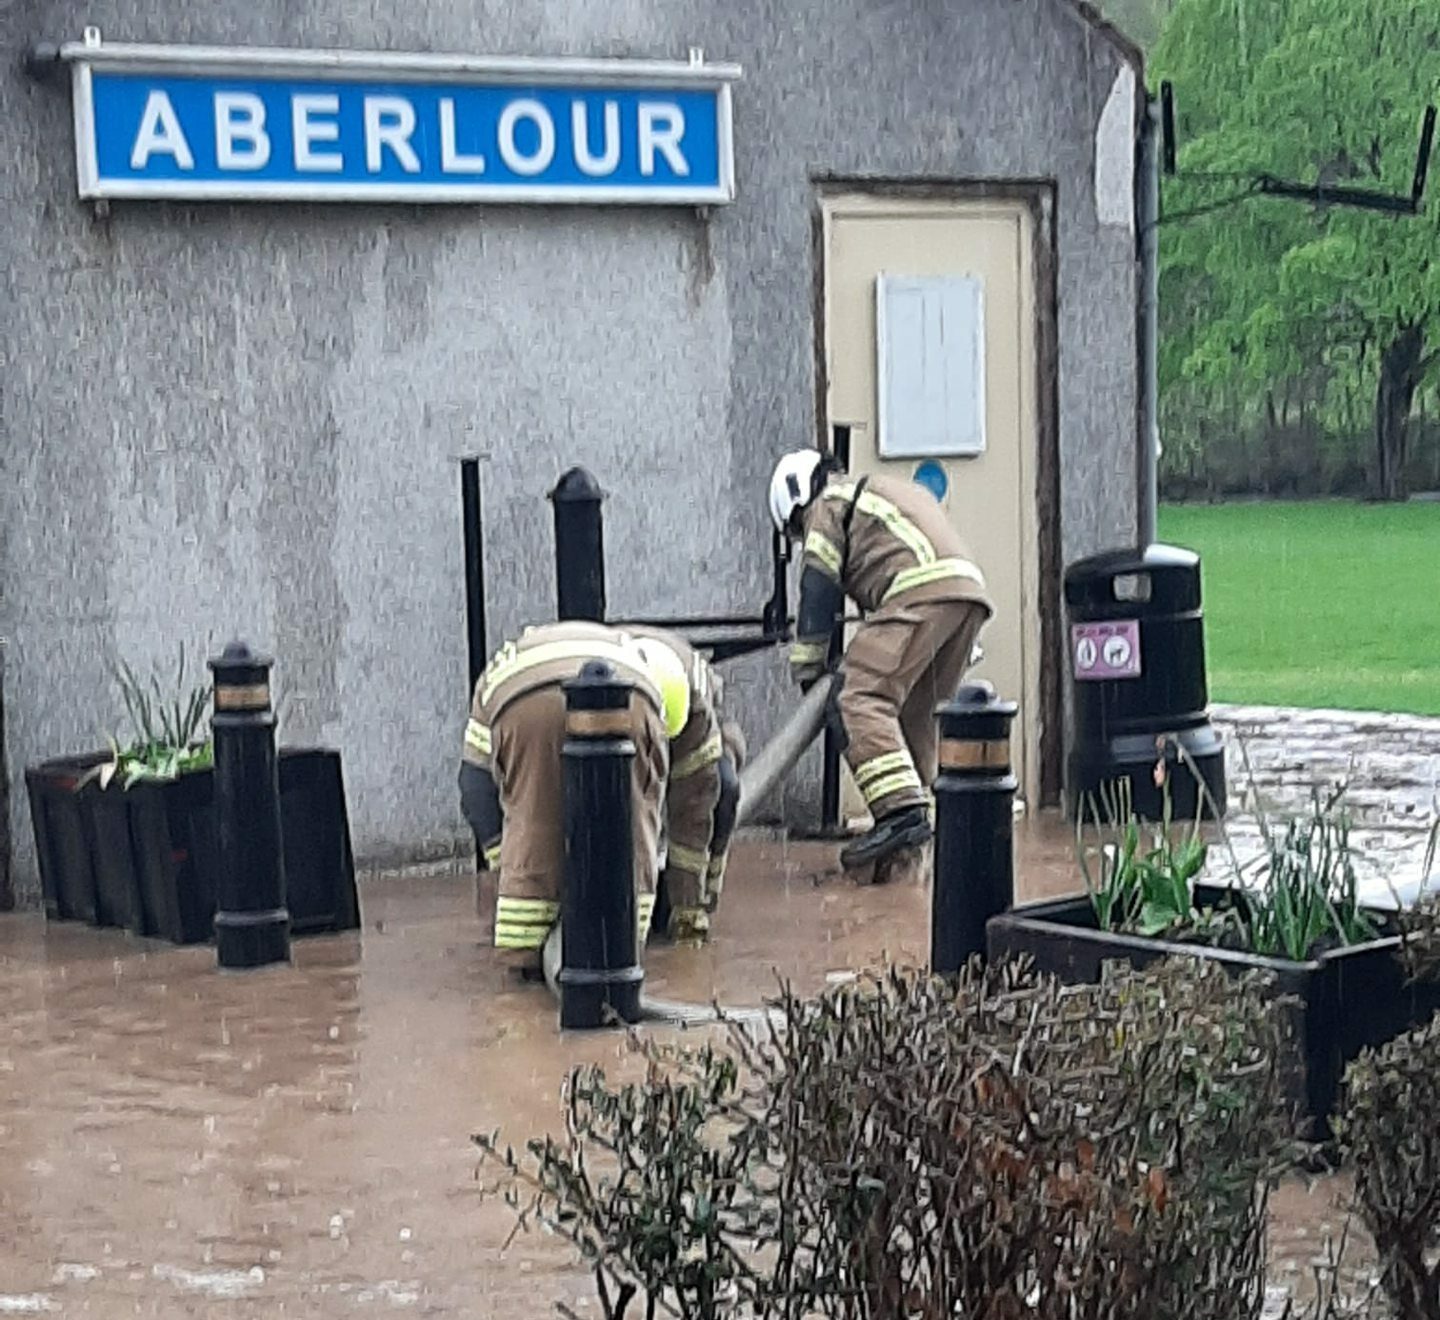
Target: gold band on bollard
[(599, 723), (989, 754), (256, 696)]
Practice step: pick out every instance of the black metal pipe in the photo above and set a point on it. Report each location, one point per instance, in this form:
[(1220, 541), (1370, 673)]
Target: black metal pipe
[(7, 891), (472, 519), (830, 749), (840, 436), (974, 826), (695, 621), (252, 924), (775, 617), (601, 976), (579, 547), (732, 648), (1422, 158)]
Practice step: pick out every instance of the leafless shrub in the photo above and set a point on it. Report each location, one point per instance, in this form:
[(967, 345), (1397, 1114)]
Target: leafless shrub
[(1000, 1148), (1392, 1136)]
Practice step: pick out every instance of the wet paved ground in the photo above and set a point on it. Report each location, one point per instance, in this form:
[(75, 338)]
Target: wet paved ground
[(1390, 762), (177, 1141), (174, 1141)]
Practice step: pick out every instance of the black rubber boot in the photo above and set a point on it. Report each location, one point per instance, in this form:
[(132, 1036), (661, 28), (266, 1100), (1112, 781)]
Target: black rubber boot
[(907, 828)]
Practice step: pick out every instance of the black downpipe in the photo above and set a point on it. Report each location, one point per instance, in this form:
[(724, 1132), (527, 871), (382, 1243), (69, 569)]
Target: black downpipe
[(475, 621), (7, 892)]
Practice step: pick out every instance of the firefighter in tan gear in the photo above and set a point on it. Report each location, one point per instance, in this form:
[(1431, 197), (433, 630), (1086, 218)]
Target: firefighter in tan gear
[(701, 797), (887, 544), (511, 773)]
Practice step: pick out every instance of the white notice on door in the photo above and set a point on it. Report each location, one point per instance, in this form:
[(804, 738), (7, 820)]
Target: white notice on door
[(930, 366)]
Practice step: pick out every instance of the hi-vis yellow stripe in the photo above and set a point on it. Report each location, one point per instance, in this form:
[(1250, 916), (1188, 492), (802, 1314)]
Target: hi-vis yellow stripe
[(710, 751), (693, 860), (896, 523), (927, 567), (477, 736), (510, 662), (880, 789), (492, 856), (882, 765), (523, 923), (924, 574), (881, 776), (825, 551), (808, 653)]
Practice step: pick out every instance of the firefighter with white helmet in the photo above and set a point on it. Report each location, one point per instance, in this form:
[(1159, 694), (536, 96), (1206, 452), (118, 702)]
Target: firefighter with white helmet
[(887, 544), (511, 775)]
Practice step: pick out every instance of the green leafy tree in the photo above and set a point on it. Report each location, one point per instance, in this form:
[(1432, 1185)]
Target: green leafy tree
[(1270, 290)]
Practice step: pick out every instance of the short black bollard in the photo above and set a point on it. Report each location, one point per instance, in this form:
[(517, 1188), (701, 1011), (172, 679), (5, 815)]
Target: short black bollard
[(252, 924), (974, 826), (579, 547), (600, 961)]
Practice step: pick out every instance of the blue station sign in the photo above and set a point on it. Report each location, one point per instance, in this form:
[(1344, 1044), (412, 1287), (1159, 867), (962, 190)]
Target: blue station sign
[(243, 124)]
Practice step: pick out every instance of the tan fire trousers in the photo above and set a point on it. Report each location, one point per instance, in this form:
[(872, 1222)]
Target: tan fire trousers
[(528, 735), (904, 660)]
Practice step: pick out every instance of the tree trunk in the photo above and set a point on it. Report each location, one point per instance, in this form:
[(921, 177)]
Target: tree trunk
[(1400, 371)]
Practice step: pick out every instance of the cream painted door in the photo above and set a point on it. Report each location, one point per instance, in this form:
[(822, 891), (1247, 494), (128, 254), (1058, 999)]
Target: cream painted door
[(930, 311)]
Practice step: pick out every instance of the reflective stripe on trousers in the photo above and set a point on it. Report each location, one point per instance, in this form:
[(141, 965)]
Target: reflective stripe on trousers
[(524, 923)]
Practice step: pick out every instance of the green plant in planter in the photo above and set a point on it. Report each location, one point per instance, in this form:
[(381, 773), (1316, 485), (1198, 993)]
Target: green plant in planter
[(1145, 884), (169, 737), (1301, 896), (1310, 894)]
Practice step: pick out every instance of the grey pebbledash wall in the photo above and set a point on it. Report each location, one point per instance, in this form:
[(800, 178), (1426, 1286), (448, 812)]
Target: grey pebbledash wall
[(243, 420)]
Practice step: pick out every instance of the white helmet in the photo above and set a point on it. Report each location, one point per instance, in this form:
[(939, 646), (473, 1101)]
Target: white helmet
[(790, 484)]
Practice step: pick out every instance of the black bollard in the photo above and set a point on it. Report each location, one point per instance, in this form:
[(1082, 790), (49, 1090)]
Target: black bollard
[(252, 924), (600, 972), (974, 825), (579, 547)]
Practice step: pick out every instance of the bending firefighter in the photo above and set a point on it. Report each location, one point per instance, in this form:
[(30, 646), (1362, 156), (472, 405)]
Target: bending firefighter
[(511, 774), (701, 798), (887, 544)]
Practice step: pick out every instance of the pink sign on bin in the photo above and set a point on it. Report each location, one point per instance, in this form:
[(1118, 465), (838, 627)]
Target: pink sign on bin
[(1105, 650)]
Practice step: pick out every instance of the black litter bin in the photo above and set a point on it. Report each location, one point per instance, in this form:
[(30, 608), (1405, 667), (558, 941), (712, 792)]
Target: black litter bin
[(1137, 668)]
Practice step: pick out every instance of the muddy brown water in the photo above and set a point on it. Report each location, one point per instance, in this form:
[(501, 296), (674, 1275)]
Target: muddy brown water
[(179, 1141)]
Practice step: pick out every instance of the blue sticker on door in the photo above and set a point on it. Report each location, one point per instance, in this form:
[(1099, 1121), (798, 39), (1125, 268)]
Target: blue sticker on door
[(932, 476)]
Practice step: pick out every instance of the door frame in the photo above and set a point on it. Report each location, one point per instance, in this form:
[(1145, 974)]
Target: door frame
[(1038, 199)]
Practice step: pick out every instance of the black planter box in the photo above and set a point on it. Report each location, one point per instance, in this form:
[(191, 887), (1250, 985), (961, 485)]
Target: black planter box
[(1345, 1000), (145, 858)]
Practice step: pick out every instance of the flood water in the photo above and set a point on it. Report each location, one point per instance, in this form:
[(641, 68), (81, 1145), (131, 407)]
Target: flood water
[(178, 1141)]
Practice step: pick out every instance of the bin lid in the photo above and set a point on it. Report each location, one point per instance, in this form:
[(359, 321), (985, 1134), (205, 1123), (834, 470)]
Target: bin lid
[(1173, 573), (1135, 560)]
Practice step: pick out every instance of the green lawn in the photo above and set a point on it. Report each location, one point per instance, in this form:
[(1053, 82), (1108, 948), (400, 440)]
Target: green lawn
[(1323, 604)]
